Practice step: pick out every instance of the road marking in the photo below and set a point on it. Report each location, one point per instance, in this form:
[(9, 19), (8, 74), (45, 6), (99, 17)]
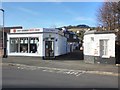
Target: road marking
[(68, 72), (55, 70), (63, 71)]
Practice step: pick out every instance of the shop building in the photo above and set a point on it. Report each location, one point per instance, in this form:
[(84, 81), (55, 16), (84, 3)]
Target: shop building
[(3, 46), (38, 42)]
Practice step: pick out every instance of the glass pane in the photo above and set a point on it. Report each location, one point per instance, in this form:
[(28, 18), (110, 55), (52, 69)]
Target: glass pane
[(21, 40), (34, 43), (14, 45), (24, 45), (26, 40), (105, 47)]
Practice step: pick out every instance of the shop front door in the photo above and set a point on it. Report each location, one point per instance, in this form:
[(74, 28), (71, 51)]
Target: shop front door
[(49, 49)]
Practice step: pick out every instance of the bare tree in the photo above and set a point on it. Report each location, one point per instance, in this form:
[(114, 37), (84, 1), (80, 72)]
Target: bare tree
[(109, 15), (118, 10)]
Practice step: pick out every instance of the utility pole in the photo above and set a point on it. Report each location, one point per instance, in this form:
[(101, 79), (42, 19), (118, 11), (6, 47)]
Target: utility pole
[(3, 36)]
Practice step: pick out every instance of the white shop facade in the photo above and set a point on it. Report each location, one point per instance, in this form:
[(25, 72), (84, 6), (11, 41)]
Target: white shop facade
[(38, 42)]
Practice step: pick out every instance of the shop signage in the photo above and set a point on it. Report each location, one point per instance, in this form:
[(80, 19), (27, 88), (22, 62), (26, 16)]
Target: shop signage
[(50, 30), (25, 30), (33, 30)]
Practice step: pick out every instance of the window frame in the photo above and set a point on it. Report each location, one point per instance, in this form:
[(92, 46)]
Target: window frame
[(19, 44), (105, 48)]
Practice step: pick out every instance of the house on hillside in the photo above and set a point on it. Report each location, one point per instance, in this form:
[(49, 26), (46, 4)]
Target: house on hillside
[(72, 39)]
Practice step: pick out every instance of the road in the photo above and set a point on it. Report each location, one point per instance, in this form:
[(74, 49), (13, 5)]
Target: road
[(17, 77)]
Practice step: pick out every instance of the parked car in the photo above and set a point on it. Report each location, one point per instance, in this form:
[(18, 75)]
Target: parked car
[(81, 48)]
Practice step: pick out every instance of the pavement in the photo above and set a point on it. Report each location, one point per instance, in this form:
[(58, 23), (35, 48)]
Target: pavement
[(72, 61)]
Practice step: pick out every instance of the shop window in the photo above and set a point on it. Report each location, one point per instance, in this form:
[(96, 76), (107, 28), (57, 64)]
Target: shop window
[(14, 43), (34, 43), (24, 45)]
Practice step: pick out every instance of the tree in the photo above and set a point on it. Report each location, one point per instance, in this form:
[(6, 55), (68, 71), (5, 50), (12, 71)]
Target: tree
[(119, 15), (109, 15)]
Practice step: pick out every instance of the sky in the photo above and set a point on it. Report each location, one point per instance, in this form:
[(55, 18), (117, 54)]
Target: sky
[(50, 14)]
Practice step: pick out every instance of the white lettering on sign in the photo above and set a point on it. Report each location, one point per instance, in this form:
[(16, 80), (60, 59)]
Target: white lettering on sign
[(25, 30)]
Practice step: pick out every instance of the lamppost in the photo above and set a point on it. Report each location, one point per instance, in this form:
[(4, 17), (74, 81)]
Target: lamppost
[(4, 49)]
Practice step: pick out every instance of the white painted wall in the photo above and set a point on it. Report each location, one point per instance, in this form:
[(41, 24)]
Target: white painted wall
[(88, 45), (60, 44), (91, 45)]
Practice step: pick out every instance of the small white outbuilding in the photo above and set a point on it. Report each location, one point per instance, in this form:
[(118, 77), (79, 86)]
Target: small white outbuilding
[(99, 47), (40, 42)]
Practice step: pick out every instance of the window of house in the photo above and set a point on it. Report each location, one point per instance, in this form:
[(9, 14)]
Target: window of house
[(103, 47), (74, 37), (92, 38)]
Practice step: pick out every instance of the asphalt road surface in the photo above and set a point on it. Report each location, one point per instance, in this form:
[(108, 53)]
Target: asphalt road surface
[(16, 77)]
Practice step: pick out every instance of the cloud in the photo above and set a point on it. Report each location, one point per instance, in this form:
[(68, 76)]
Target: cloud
[(83, 19), (26, 10)]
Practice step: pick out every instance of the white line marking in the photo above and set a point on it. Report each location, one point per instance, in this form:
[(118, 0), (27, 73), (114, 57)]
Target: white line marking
[(60, 70)]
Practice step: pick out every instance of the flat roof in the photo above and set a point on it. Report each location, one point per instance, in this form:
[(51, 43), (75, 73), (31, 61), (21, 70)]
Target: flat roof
[(7, 29), (99, 32)]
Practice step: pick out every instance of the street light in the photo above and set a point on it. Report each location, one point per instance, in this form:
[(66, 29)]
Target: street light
[(4, 49)]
